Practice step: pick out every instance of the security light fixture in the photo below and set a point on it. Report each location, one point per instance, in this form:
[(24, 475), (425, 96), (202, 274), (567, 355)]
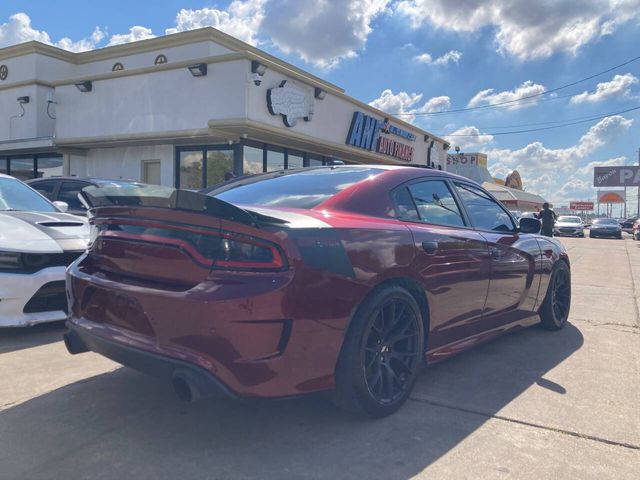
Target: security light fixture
[(23, 100), (426, 138), (85, 86), (257, 67), (457, 149), (198, 69), (319, 93)]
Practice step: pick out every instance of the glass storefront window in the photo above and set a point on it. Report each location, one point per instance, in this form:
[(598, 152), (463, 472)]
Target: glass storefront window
[(219, 164), (3, 165), (21, 168), (295, 160), (191, 163), (252, 162), (315, 161), (275, 160), (49, 167)]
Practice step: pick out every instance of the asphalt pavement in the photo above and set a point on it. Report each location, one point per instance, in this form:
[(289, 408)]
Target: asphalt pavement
[(531, 405)]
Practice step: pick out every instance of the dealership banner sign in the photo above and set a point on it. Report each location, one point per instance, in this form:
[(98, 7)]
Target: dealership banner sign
[(581, 206), (365, 132), (623, 176)]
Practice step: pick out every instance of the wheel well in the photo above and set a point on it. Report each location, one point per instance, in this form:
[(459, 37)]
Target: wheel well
[(417, 292)]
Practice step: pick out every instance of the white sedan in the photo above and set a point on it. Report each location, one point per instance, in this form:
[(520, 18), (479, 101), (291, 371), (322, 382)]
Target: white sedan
[(569, 225), (37, 243)]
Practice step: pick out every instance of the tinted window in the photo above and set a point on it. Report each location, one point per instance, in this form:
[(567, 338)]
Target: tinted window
[(302, 189), (45, 188), (435, 203), (569, 219), (484, 211), (606, 221), (403, 205), (15, 195), (69, 194)]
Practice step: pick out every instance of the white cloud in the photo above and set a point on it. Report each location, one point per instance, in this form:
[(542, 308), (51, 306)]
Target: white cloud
[(406, 104), (452, 56), (135, 33), (19, 30), (527, 89), (588, 168), (468, 138), (321, 32), (526, 29), (242, 19), (546, 170), (619, 86), (83, 45)]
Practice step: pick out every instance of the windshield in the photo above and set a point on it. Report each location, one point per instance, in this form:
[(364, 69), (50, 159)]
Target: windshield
[(15, 195), (569, 219), (606, 221), (301, 189)]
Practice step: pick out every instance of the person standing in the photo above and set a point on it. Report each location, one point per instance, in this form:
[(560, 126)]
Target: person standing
[(548, 218)]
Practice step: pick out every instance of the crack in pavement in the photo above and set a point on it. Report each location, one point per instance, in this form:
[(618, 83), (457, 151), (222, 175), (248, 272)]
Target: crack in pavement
[(571, 433)]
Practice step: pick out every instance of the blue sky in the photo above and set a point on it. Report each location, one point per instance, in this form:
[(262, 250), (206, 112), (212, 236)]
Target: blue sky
[(422, 56)]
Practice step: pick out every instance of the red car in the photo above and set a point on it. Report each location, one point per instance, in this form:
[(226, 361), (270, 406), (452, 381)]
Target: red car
[(344, 279)]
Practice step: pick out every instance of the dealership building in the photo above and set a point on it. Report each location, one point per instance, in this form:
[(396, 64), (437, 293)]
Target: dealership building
[(184, 110)]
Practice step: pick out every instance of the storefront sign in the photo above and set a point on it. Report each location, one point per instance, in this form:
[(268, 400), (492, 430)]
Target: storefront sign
[(290, 101), (365, 132), (581, 206), (622, 176), (611, 196)]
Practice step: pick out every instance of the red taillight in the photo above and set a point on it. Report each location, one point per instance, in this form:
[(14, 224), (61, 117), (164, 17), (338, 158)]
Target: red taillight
[(247, 253)]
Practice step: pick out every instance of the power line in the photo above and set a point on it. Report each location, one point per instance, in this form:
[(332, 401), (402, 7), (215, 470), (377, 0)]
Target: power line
[(545, 128), (508, 102), (548, 122)]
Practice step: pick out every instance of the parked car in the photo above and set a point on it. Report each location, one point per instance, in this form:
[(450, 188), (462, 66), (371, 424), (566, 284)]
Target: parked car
[(627, 224), (37, 243), (343, 279), (516, 214), (605, 227), (569, 225), (636, 229), (66, 189)]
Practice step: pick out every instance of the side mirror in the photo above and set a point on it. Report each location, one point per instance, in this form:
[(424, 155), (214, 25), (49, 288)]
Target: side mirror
[(62, 206), (530, 225)]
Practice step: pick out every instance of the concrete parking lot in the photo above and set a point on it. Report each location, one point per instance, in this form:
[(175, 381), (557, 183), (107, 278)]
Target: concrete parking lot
[(531, 405)]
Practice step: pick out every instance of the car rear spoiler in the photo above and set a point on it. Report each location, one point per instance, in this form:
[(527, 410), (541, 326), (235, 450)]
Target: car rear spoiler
[(156, 196)]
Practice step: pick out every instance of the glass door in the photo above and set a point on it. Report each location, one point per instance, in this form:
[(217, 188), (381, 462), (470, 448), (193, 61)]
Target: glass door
[(219, 166)]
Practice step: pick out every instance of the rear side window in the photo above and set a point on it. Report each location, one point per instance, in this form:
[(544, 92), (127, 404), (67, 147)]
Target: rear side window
[(69, 193), (484, 211), (46, 189), (435, 203), (302, 189)]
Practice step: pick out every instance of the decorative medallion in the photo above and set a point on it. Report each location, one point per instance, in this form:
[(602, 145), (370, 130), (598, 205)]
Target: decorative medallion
[(160, 59), (117, 67), (4, 71)]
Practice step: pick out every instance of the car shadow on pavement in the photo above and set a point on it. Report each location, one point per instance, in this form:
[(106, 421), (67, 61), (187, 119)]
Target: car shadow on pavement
[(17, 338), (125, 425)]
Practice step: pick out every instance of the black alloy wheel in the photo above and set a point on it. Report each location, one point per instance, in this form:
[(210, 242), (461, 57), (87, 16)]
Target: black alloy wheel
[(554, 311), (391, 351), (382, 353)]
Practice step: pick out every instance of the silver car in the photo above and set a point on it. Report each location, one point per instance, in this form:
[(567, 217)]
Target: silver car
[(569, 225)]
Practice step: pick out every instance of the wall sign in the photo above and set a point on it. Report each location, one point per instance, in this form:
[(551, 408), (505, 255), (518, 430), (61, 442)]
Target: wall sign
[(160, 60), (290, 101), (117, 67), (4, 72), (365, 132)]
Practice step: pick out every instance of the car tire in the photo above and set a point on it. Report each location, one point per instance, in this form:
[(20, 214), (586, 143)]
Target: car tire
[(591, 235), (557, 302), (582, 235), (375, 374)]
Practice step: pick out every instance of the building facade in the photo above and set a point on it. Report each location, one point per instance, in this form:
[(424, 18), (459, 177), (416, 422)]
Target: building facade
[(184, 110)]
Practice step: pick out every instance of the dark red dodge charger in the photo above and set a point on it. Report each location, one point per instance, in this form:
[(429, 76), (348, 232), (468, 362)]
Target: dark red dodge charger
[(344, 279)]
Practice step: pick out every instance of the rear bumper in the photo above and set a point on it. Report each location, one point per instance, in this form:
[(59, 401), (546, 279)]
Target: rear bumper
[(79, 340)]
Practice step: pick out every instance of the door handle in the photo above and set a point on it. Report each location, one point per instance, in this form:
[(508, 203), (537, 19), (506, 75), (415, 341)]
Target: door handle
[(430, 247)]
